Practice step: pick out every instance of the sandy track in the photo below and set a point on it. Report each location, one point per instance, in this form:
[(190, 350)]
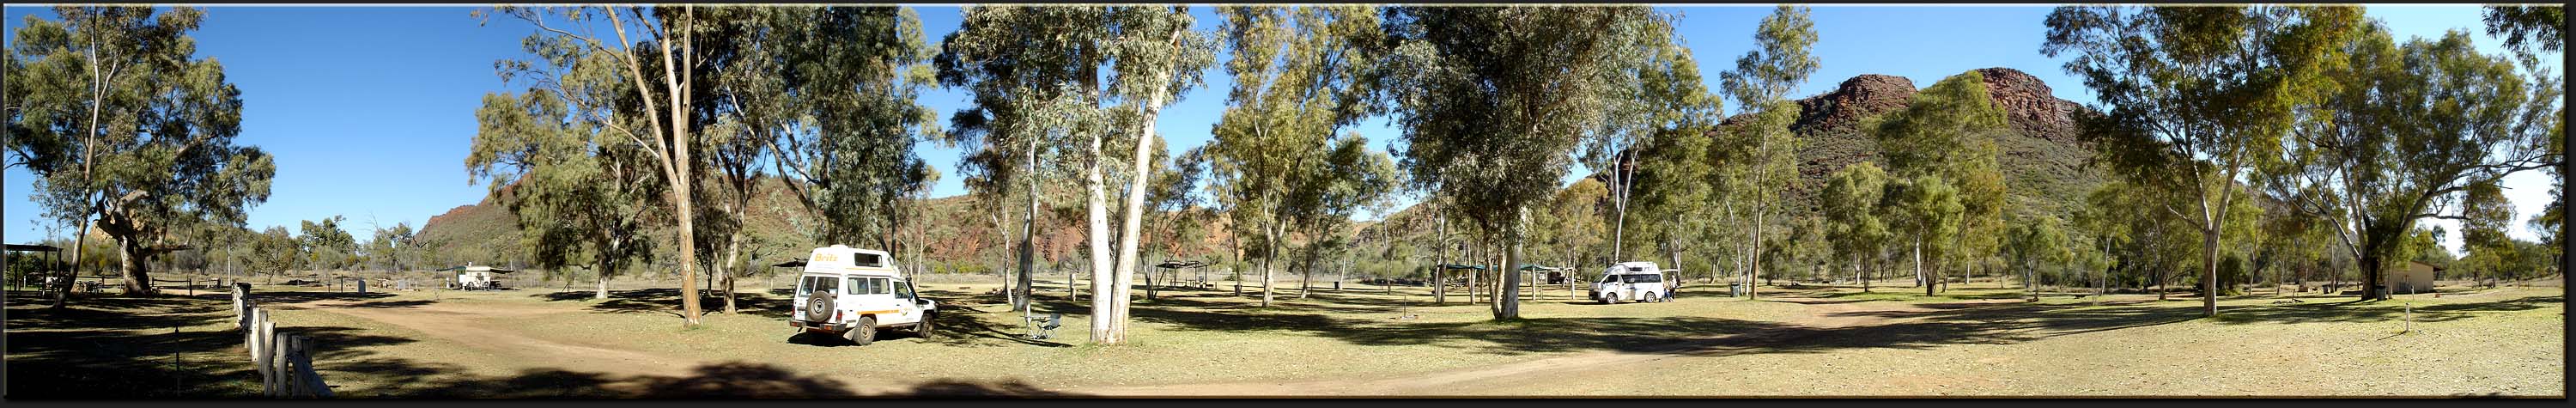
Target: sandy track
[(469, 326)]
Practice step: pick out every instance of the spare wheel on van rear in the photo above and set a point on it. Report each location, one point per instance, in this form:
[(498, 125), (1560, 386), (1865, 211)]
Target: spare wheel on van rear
[(819, 307)]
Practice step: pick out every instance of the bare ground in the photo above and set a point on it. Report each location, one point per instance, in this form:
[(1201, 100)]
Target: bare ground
[(1812, 342)]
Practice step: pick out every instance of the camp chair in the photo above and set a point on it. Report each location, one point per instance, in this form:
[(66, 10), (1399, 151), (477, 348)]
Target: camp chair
[(1044, 327)]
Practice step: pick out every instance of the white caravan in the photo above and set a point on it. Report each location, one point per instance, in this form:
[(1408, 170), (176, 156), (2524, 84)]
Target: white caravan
[(1638, 281), (854, 292)]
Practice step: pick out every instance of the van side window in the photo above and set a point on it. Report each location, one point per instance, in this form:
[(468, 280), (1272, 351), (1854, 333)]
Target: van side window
[(858, 286), (1642, 278), (821, 284), (903, 291), (1610, 278), (866, 260), (882, 286)]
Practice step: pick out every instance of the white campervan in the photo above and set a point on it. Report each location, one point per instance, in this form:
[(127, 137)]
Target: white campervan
[(853, 292), (1638, 281)]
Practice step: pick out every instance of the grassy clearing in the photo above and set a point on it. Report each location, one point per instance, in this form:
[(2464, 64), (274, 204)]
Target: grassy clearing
[(2510, 344), (1813, 341), (1183, 336), (105, 347)]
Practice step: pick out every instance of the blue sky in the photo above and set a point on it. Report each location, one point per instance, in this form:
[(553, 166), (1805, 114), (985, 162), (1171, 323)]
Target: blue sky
[(369, 111)]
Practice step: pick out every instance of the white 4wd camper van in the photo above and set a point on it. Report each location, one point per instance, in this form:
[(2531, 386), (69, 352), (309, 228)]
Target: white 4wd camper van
[(1638, 281), (853, 293)]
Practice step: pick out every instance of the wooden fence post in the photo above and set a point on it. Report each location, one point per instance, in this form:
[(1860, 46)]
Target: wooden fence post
[(306, 379), (268, 346), (252, 336), (286, 366)]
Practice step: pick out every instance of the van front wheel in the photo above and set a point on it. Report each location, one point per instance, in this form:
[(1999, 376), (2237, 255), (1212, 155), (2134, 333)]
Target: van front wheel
[(1609, 298), (863, 332), (924, 328)]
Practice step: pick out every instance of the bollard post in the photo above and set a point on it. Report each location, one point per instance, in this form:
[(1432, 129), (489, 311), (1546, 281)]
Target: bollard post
[(2410, 318)]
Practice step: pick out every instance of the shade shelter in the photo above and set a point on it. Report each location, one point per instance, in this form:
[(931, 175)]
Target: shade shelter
[(54, 256), (1175, 266)]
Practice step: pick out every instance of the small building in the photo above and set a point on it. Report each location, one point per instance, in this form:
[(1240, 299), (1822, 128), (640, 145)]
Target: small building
[(2416, 277)]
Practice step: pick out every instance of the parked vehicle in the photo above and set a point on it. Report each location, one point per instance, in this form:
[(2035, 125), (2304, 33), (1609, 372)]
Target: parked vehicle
[(1637, 281), (854, 293)]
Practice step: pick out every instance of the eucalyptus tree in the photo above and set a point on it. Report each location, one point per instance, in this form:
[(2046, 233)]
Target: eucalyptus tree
[(583, 195), (2485, 214), (128, 131), (275, 252), (1948, 131), (2197, 97), (1018, 65), (391, 247), (1496, 131), (1808, 246), (1040, 70), (1156, 56), (1572, 222), (656, 55), (1350, 177), (2035, 242), (1300, 76), (2410, 130), (2528, 27), (1760, 84), (1923, 208), (829, 98), (1670, 99), (1673, 180), (1852, 221), (1182, 225), (2531, 31), (990, 173)]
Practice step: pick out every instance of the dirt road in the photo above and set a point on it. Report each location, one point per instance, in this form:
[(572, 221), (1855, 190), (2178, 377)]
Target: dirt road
[(472, 327)]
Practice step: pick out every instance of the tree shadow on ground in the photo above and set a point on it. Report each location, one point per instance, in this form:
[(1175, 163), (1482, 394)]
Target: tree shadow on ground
[(113, 350), (719, 380), (960, 325), (1317, 304), (289, 297), (2381, 311), (1945, 323), (1548, 335), (667, 301), (162, 347), (387, 304)]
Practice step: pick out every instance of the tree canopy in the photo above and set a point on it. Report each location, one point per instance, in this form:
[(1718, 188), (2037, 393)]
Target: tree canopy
[(123, 125), (1493, 101)]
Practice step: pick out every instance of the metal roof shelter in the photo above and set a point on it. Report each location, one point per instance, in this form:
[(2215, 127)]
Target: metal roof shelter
[(55, 255)]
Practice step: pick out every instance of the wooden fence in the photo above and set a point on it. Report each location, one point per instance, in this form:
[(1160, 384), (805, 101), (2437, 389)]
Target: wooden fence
[(284, 360)]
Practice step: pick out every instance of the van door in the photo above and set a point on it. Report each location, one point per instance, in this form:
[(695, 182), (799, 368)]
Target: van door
[(856, 297), (908, 306)]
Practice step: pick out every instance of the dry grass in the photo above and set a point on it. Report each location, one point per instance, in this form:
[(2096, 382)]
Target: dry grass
[(1815, 341)]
